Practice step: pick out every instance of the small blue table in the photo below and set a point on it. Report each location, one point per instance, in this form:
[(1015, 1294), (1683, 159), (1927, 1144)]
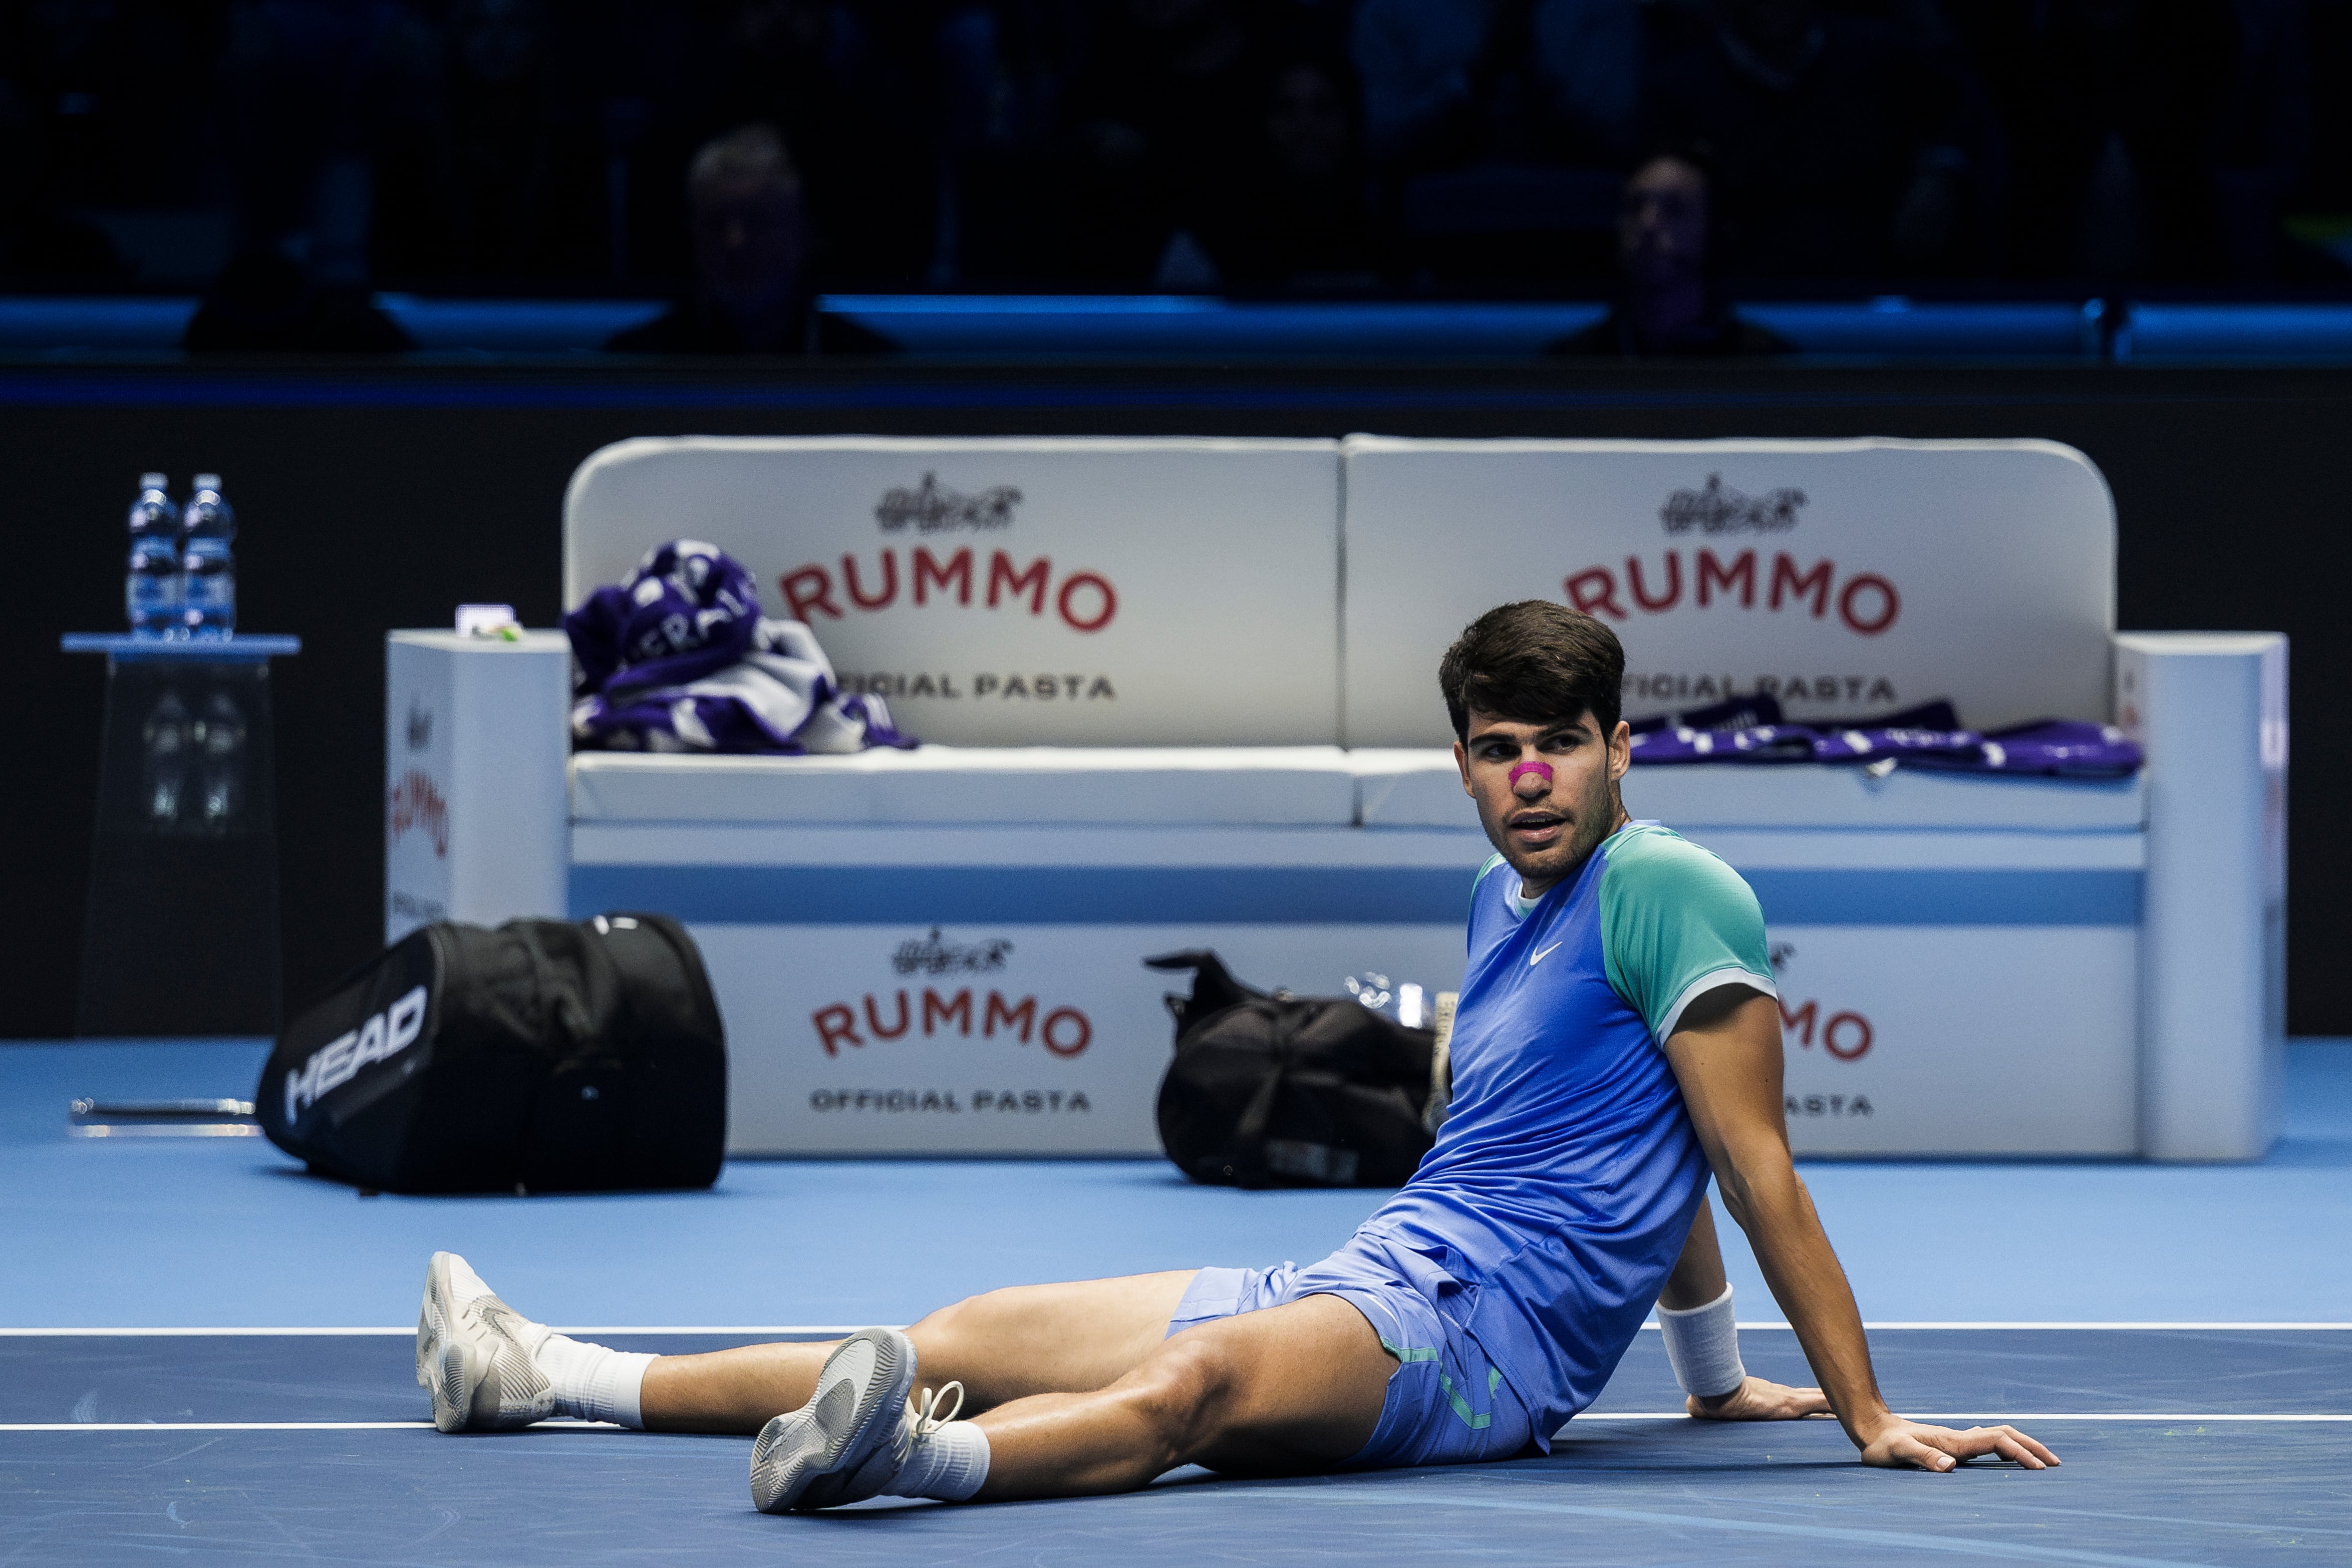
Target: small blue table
[(246, 648), (179, 936)]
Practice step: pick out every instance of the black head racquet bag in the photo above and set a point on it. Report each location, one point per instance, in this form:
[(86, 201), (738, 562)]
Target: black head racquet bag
[(1280, 1091), (544, 1055)]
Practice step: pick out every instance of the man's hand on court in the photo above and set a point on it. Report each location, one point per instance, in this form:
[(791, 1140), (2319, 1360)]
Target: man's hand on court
[(1758, 1399), (1901, 1443)]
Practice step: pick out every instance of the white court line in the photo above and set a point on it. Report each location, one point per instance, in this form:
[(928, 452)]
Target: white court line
[(853, 1327), (2177, 1418), (410, 1333), (1981, 1416), (1874, 1327), (214, 1425)]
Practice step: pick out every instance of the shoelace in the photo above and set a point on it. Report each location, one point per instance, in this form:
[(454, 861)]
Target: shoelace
[(928, 1419)]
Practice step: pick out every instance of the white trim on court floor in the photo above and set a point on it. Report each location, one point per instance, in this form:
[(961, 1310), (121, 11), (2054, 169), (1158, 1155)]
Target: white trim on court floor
[(2173, 1418), (1979, 1416), (409, 1331), (853, 1327)]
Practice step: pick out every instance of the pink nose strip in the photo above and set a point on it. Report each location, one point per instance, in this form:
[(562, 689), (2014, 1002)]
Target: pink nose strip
[(1541, 771)]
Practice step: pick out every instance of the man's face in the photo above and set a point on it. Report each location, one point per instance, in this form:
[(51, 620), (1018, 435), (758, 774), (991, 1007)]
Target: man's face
[(1307, 123), (1662, 227), (1546, 827), (747, 242)]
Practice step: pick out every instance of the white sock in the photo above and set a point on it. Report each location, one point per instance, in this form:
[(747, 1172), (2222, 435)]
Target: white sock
[(950, 1464), (593, 1382)]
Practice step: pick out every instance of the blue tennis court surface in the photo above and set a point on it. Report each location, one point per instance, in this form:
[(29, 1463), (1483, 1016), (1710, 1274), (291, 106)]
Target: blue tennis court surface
[(205, 1355)]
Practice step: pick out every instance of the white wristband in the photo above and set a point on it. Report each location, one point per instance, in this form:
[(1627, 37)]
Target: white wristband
[(1702, 1343)]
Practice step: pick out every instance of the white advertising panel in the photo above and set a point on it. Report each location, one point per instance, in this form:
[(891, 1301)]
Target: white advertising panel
[(1921, 1040), (419, 878), (1846, 578), (473, 749), (1012, 1039), (1016, 592), (1052, 1039)]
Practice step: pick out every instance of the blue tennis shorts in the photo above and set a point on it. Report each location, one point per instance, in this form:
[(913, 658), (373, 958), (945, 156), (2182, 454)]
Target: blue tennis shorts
[(1447, 1403)]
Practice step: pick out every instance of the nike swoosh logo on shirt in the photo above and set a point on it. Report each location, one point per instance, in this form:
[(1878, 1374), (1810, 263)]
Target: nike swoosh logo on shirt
[(1536, 958)]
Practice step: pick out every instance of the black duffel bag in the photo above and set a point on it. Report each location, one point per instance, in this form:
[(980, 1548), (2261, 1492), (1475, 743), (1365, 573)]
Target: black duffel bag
[(544, 1056), (1281, 1090)]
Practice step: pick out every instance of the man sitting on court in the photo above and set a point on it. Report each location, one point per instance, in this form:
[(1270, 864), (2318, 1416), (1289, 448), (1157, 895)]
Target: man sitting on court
[(1617, 1038)]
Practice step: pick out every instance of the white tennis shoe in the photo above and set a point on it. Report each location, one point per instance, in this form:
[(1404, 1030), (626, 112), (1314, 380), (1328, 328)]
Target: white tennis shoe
[(475, 1352), (855, 1433)]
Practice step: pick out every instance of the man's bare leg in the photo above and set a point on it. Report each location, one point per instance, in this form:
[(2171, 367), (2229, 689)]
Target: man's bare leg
[(1003, 1346), (1291, 1389)]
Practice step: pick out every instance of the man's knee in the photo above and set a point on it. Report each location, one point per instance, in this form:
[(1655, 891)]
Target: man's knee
[(1184, 1389), (952, 1328)]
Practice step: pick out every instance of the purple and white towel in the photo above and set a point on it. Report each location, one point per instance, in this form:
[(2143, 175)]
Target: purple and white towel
[(679, 659), (1750, 730)]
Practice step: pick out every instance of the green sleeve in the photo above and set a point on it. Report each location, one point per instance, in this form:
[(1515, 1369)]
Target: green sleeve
[(1676, 922)]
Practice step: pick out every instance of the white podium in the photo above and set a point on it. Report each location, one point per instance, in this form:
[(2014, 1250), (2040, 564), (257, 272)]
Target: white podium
[(2211, 708), (475, 745)]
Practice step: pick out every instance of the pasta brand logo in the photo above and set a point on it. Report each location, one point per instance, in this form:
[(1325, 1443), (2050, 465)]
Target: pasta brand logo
[(933, 508), (1718, 508)]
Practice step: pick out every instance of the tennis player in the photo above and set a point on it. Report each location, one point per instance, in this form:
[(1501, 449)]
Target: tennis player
[(1617, 1040)]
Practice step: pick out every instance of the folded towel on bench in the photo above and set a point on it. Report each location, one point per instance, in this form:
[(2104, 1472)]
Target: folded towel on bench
[(1750, 730), (677, 658)]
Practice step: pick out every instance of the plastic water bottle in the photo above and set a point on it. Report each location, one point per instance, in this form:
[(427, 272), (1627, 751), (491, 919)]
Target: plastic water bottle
[(209, 570), (151, 598)]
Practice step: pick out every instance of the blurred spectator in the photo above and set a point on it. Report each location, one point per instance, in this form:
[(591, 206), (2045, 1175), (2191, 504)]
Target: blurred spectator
[(103, 107), (1671, 305), (1004, 69), (1263, 144), (2123, 116), (751, 252), (263, 303), (117, 87), (2263, 140), (325, 100), (500, 156), (38, 243), (847, 88), (1844, 151), (1449, 83), (1166, 104), (1298, 214), (1501, 125)]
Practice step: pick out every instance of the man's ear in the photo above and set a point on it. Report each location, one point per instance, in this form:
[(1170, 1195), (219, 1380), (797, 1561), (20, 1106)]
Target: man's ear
[(1621, 749), (1462, 761)]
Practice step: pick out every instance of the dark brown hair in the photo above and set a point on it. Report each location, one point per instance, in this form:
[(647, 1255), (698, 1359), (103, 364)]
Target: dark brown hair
[(1534, 662)]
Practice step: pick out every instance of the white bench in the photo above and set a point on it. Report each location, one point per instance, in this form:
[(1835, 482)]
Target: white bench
[(939, 950)]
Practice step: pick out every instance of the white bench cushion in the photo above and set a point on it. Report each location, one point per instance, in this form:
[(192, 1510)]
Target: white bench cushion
[(1222, 785), (1422, 788)]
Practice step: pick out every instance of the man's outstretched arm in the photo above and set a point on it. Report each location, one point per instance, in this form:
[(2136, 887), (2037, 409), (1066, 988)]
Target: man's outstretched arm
[(1727, 1058)]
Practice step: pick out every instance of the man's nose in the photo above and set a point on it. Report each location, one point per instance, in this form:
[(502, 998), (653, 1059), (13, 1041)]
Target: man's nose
[(1531, 778)]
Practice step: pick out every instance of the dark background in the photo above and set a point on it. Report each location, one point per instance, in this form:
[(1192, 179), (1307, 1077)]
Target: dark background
[(532, 146), (371, 498)]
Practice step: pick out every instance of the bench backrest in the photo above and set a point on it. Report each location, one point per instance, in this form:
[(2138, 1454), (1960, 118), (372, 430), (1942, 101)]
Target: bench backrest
[(1016, 592), (1849, 578), (1188, 592)]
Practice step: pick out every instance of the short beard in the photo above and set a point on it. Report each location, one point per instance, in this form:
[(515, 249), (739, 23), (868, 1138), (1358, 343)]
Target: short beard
[(1596, 819)]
